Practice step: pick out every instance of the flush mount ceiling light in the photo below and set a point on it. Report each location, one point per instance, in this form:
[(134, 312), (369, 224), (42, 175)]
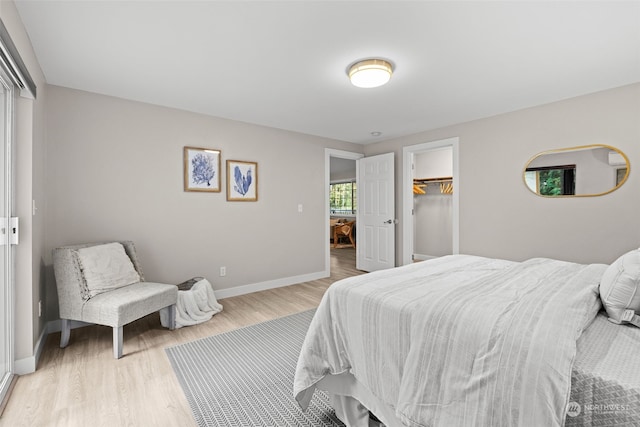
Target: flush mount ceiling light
[(370, 73)]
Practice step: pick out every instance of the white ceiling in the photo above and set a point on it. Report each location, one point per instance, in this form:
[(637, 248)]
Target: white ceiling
[(283, 64)]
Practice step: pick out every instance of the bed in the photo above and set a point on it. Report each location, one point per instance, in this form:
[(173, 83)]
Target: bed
[(466, 340)]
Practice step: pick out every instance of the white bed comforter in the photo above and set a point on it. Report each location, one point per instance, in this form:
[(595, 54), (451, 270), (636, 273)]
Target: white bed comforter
[(456, 341)]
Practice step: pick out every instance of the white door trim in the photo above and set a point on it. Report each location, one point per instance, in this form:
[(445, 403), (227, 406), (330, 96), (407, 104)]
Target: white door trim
[(407, 194), (328, 154)]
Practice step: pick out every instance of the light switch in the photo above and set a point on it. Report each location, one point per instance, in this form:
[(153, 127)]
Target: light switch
[(300, 208)]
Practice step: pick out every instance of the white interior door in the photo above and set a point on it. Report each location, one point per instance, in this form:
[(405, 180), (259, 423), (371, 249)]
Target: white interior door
[(376, 213)]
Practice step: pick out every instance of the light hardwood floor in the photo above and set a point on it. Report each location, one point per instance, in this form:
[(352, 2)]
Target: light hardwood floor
[(83, 385)]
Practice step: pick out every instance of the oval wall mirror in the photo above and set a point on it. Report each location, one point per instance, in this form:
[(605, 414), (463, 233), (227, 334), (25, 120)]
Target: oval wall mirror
[(590, 170)]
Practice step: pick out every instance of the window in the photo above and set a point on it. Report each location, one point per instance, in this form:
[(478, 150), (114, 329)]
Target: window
[(552, 180), (342, 198)]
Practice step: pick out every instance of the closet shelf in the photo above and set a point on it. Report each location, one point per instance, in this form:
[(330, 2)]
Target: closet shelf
[(420, 184), (432, 180)]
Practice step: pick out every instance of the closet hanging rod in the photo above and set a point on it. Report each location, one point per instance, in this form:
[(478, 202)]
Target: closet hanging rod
[(433, 180)]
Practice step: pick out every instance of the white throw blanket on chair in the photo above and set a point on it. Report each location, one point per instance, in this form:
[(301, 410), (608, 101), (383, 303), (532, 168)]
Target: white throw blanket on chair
[(194, 306)]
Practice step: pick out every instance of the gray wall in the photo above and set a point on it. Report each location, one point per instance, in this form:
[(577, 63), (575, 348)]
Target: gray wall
[(116, 172), (342, 169), (500, 217)]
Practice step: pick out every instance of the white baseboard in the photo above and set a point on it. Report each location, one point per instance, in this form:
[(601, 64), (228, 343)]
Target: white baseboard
[(421, 257), (269, 284), (28, 365)]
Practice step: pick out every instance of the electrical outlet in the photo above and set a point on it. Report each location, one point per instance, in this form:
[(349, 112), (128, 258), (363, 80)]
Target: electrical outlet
[(223, 271), (40, 308)]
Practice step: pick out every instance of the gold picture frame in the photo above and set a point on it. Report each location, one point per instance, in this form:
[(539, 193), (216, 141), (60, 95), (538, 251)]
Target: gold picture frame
[(242, 181), (202, 169)]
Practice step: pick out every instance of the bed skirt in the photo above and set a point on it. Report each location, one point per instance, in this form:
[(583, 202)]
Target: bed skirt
[(352, 401)]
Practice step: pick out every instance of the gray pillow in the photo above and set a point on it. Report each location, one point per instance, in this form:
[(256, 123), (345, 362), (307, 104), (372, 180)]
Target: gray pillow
[(105, 268)]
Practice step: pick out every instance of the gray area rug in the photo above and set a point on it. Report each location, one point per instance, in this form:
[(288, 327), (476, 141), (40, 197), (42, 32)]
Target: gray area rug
[(245, 377)]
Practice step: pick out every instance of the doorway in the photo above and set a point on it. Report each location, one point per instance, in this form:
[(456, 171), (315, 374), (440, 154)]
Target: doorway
[(340, 167), (430, 200)]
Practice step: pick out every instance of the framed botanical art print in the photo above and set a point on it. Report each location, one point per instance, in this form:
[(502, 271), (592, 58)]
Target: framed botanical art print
[(242, 181), (201, 169)]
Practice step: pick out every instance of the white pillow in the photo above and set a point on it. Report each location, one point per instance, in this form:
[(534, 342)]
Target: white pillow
[(620, 287), (106, 267)]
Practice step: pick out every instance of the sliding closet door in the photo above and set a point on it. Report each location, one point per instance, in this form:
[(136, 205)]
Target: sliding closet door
[(14, 81), (6, 251)]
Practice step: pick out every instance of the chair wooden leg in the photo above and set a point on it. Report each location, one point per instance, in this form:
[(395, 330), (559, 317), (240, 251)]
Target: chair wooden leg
[(65, 333), (117, 342), (172, 317)]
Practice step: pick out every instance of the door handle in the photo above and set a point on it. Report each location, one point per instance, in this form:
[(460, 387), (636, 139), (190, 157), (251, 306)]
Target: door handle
[(389, 221)]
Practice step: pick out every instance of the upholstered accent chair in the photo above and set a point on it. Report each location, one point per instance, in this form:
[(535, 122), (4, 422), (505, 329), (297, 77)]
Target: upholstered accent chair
[(82, 295)]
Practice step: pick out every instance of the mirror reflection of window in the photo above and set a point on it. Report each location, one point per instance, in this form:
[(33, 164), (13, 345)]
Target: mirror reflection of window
[(620, 175), (552, 180)]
